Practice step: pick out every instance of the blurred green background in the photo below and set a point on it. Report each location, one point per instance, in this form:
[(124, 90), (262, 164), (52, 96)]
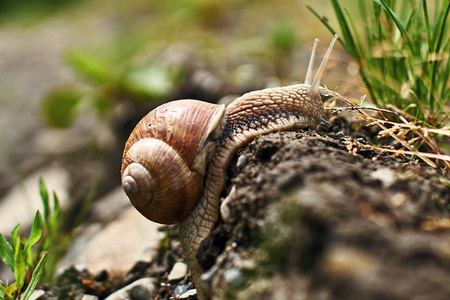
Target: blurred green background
[(75, 76)]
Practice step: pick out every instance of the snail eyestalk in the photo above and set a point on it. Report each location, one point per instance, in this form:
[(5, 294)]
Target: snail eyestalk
[(316, 83), (311, 63)]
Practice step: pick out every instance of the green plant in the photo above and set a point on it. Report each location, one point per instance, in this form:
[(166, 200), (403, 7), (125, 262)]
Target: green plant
[(20, 258), (53, 242), (403, 55), (50, 241)]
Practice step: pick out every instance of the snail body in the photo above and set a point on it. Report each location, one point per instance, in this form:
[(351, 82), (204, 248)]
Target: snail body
[(207, 137)]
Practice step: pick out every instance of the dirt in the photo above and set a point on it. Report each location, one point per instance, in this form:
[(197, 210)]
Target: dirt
[(316, 215), (319, 215)]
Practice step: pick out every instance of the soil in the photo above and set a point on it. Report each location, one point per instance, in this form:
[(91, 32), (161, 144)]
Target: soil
[(319, 215)]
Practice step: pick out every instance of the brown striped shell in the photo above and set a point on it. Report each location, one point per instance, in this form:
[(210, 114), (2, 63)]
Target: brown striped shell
[(165, 158)]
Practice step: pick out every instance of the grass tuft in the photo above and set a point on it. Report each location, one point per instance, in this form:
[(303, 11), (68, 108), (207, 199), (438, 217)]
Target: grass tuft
[(402, 49)]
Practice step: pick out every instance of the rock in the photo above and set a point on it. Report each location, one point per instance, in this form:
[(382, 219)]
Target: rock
[(111, 206), (89, 297), (37, 294), (117, 246), (180, 289), (142, 289), (178, 271), (188, 294)]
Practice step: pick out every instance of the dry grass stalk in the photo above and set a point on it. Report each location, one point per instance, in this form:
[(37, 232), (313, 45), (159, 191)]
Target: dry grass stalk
[(409, 134)]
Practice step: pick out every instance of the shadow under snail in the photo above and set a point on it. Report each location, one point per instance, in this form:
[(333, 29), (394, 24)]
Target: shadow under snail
[(175, 160)]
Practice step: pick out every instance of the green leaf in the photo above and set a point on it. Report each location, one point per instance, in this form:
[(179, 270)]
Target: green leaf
[(14, 234), (93, 69), (45, 201), (150, 81), (19, 264), (397, 22), (346, 32), (36, 231), (36, 277), (59, 107), (10, 291), (56, 210), (6, 252)]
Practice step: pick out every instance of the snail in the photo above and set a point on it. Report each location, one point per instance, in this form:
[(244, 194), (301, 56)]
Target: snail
[(175, 161)]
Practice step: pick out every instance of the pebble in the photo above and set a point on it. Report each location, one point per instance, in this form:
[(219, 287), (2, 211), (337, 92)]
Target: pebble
[(89, 297), (188, 294), (37, 294), (117, 246), (142, 289), (178, 272), (385, 175)]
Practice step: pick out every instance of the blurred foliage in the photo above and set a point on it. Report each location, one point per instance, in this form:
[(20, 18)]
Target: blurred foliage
[(284, 37), (59, 106), (133, 64), (31, 8)]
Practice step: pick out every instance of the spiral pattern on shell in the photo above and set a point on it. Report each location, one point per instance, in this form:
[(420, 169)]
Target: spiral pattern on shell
[(165, 157)]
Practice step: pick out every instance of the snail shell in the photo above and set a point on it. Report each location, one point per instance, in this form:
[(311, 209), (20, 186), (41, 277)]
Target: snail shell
[(165, 157)]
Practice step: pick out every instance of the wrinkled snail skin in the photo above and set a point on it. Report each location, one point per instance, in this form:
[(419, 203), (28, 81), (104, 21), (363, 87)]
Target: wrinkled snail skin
[(253, 114), (196, 141)]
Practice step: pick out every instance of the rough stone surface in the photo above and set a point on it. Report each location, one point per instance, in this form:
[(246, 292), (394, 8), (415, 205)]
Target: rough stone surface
[(191, 294), (89, 297), (111, 206), (117, 246), (179, 270), (142, 289)]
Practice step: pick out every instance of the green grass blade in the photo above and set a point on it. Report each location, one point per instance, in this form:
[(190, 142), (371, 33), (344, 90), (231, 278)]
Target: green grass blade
[(14, 235), (6, 252), (19, 264), (427, 25), (435, 66), (56, 210), (442, 28), (36, 231), (346, 32), (397, 22), (36, 277), (327, 25), (45, 201)]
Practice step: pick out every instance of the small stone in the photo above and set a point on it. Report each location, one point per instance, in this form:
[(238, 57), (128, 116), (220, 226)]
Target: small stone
[(188, 294), (181, 289), (89, 297), (234, 277), (142, 289), (37, 294), (178, 272), (385, 175), (131, 234)]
